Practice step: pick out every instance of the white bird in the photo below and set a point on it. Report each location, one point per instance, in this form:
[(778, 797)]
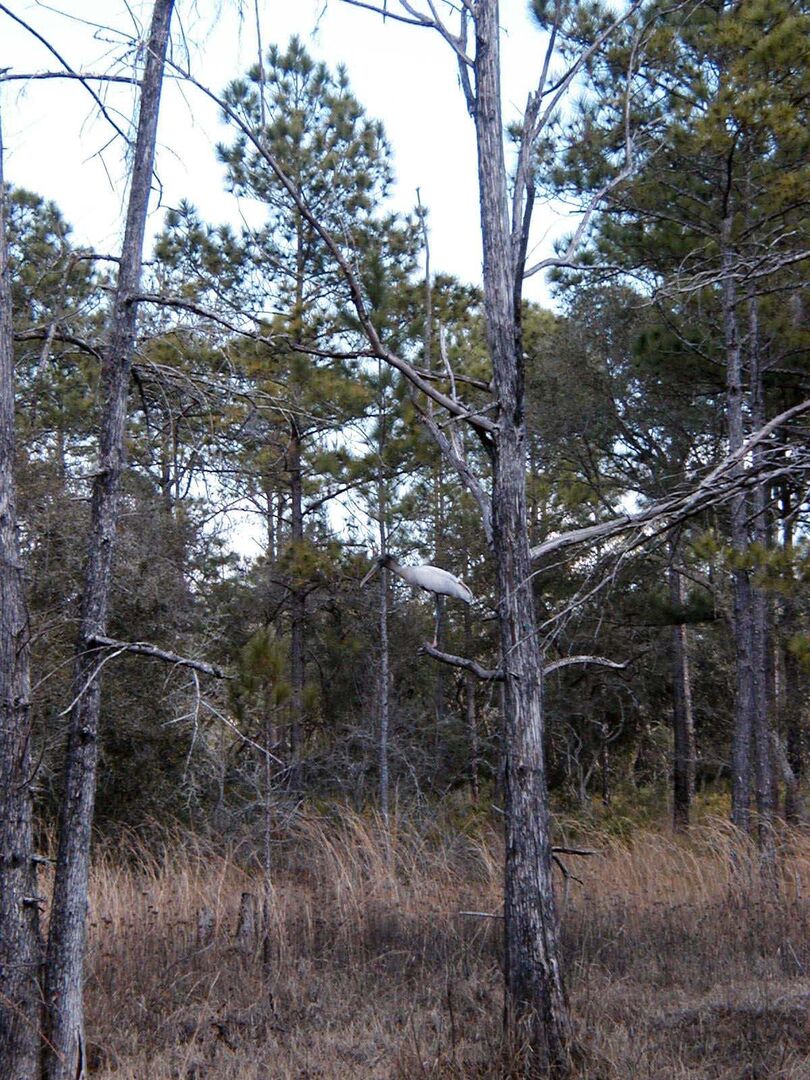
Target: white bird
[(430, 578)]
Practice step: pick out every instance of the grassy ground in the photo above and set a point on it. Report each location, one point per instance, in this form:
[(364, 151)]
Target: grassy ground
[(680, 963)]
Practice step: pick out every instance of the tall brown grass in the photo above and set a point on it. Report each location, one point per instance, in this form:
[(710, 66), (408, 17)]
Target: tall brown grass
[(682, 960)]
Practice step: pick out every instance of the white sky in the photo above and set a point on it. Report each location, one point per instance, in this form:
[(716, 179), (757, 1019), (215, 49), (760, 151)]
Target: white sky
[(404, 76)]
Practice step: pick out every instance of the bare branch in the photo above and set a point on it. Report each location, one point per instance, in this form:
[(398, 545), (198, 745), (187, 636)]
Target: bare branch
[(74, 74), (479, 423), (457, 459), (463, 662), (555, 665), (716, 487), (144, 648), (386, 14), (570, 661), (496, 675), (226, 720), (573, 246), (567, 260), (67, 339)]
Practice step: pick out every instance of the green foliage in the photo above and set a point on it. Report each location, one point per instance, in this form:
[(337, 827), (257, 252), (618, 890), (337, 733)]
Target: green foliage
[(261, 674)]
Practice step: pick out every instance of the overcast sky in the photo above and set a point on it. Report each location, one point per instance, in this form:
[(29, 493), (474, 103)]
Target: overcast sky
[(402, 75)]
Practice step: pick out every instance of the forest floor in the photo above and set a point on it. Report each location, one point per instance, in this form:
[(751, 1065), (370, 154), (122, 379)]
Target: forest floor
[(681, 962)]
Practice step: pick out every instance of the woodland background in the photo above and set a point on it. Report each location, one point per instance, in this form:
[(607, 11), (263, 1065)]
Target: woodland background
[(313, 743)]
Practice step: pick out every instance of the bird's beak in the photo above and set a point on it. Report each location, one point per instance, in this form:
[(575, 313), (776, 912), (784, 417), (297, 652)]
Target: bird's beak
[(370, 574)]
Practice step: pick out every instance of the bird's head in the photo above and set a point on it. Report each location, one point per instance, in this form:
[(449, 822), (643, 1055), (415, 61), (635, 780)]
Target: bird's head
[(379, 563)]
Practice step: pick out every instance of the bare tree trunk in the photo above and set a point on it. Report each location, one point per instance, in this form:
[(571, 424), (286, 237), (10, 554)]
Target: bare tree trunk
[(385, 671), (267, 853), (297, 601), (741, 581), (439, 685), (604, 765), (269, 517), (683, 730), (762, 739), (789, 700), (19, 914), (536, 1012), (469, 707), (65, 1057)]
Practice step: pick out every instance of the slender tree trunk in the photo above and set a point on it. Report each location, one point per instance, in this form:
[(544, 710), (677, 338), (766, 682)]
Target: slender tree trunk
[(469, 706), (763, 773), (65, 1057), (789, 701), (439, 685), (385, 701), (297, 599), (267, 853), (536, 1012), (19, 915), (683, 731), (385, 661), (741, 582), (604, 765), (269, 518)]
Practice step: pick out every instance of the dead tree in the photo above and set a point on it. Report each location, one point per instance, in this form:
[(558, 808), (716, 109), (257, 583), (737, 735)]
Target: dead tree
[(537, 1019), (65, 1057), (683, 728)]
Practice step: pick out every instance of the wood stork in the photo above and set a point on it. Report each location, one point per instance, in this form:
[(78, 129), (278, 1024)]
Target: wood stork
[(430, 578)]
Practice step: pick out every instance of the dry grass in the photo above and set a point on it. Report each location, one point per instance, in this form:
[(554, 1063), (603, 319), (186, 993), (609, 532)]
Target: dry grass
[(681, 963)]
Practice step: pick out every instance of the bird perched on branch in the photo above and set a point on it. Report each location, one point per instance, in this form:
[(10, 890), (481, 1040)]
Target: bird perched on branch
[(430, 578)]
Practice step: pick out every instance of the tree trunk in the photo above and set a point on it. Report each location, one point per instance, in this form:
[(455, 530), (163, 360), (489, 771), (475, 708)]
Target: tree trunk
[(438, 559), (741, 581), (267, 852), (385, 672), (762, 740), (65, 1058), (604, 764), (297, 600), (469, 706), (789, 701), (536, 1013), (683, 731), (19, 914)]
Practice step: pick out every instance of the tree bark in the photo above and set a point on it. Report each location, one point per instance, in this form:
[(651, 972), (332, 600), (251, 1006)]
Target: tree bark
[(469, 707), (19, 914), (538, 1026), (762, 739), (741, 582), (789, 701), (683, 731), (65, 1057), (297, 600), (385, 662), (269, 733)]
